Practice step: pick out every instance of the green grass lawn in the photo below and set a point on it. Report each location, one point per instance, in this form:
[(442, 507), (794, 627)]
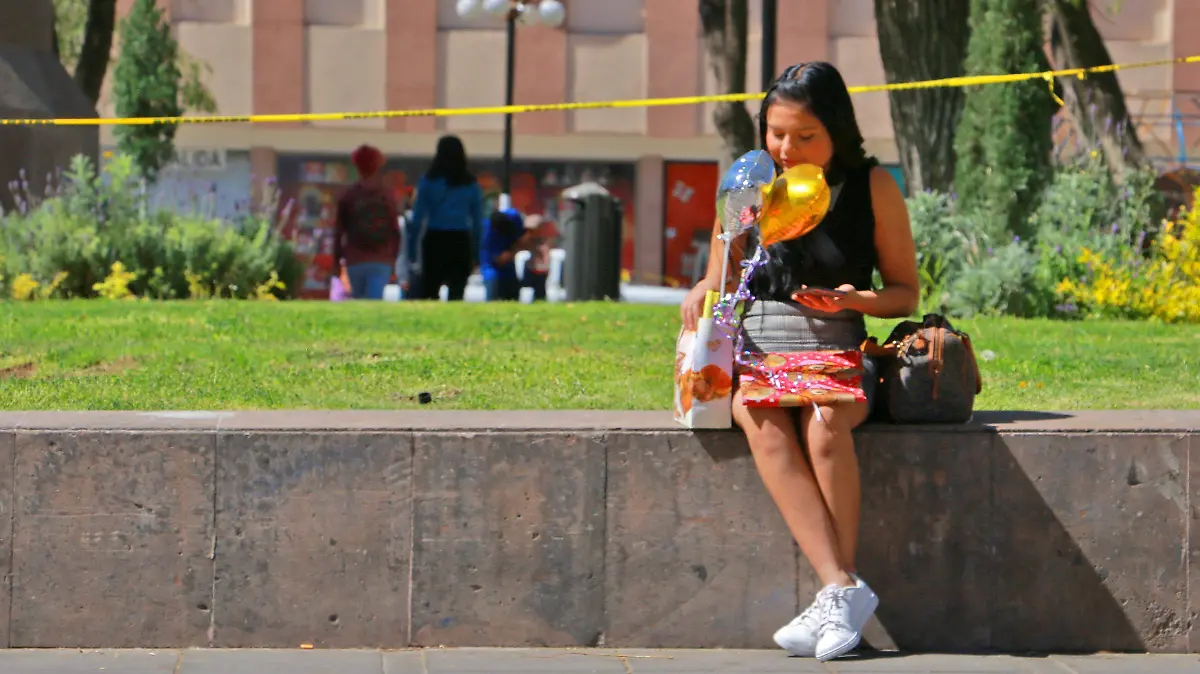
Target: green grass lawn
[(316, 355)]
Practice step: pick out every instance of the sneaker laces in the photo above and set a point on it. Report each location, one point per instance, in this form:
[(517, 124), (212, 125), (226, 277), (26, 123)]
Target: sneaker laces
[(836, 608), (815, 611)]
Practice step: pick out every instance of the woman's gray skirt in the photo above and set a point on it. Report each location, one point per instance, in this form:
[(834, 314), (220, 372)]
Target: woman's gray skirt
[(789, 327)]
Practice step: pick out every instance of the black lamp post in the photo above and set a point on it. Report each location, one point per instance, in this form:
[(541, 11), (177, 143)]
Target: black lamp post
[(548, 12), (769, 31)]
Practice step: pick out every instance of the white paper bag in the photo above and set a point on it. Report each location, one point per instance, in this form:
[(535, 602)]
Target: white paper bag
[(704, 374)]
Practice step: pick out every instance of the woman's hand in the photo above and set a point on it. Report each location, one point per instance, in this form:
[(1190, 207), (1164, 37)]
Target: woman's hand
[(831, 304), (693, 304)]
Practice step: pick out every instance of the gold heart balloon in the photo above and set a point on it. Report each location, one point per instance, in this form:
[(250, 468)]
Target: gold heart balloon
[(793, 204)]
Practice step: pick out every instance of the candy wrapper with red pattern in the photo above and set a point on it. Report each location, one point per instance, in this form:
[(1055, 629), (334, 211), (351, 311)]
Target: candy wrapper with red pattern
[(800, 379)]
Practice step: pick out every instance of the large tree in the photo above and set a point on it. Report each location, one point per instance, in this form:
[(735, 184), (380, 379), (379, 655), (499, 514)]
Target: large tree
[(84, 37), (924, 120), (1095, 103), (725, 26), (1003, 144), (83, 34), (146, 83)]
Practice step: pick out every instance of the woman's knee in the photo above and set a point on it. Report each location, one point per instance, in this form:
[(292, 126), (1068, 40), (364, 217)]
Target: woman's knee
[(832, 433), (769, 432)]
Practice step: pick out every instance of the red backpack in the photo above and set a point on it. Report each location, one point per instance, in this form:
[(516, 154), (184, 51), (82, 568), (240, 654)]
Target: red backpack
[(371, 220)]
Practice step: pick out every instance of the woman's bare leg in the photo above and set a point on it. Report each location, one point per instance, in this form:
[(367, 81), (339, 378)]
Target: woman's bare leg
[(775, 446), (830, 447)]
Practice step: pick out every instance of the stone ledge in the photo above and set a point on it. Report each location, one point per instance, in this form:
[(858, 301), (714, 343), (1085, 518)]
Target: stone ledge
[(1020, 532), (1091, 421)]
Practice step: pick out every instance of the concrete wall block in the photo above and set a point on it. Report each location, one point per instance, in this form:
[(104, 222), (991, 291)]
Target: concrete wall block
[(1090, 532), (1193, 518), (924, 537), (113, 533), (697, 554), (314, 535), (8, 443), (508, 539)]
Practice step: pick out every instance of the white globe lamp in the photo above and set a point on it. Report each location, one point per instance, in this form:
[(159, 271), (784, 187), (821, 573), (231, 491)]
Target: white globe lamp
[(552, 13), (469, 9), (496, 7)]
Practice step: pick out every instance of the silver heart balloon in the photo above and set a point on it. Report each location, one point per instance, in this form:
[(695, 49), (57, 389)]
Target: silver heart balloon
[(740, 193)]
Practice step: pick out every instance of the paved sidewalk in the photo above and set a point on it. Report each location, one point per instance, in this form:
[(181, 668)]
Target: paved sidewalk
[(561, 661)]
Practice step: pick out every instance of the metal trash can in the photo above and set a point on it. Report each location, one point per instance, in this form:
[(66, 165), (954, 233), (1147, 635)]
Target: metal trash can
[(591, 220)]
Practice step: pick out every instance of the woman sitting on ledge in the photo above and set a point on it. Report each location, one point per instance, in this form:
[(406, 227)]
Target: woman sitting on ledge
[(807, 117)]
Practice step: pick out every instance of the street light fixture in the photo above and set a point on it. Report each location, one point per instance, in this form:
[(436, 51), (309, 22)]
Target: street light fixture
[(547, 12), (770, 21)]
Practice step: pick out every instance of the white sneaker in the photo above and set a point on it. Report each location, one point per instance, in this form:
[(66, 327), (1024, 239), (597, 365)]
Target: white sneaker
[(799, 637), (844, 612)]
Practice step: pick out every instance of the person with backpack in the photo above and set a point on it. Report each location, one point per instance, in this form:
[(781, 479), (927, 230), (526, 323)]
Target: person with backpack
[(366, 238)]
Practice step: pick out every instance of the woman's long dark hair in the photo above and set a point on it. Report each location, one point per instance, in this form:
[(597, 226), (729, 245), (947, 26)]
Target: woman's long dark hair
[(450, 163), (819, 87)]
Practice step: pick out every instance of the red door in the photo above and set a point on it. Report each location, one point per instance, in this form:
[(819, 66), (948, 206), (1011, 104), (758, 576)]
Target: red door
[(688, 223)]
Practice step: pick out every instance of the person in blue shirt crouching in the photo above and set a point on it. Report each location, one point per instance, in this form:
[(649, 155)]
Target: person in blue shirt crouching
[(504, 237)]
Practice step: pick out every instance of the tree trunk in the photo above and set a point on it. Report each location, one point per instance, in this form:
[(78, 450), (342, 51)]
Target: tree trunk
[(924, 120), (725, 23), (1096, 103), (97, 47)]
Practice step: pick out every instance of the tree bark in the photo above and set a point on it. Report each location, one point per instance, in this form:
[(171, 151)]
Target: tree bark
[(1096, 103), (725, 25), (97, 47), (922, 40)]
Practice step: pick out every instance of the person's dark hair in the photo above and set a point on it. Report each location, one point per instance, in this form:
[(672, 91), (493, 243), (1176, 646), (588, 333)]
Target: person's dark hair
[(819, 87), (450, 163), (507, 223)]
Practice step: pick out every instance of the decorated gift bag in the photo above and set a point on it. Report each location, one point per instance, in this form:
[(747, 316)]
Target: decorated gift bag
[(704, 373), (801, 379)]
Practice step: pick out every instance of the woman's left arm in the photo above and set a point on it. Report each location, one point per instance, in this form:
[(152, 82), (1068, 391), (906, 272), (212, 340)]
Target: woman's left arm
[(897, 254)]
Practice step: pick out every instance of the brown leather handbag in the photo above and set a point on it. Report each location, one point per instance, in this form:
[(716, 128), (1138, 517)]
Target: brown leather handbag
[(928, 373)]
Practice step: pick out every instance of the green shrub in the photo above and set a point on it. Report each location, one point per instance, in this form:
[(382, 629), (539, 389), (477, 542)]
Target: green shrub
[(997, 283), (1082, 208), (962, 270), (965, 270), (95, 221), (146, 83), (1003, 143)]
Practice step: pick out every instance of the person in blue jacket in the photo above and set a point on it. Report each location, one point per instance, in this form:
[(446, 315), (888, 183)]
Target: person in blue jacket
[(442, 238), (505, 237)]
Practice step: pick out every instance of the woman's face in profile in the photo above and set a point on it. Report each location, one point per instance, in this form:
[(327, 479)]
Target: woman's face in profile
[(795, 136)]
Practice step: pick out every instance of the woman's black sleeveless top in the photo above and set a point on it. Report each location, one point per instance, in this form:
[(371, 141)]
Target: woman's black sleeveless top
[(840, 250)]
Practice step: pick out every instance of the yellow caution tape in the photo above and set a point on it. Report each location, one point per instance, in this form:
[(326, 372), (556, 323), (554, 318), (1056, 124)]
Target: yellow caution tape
[(948, 82)]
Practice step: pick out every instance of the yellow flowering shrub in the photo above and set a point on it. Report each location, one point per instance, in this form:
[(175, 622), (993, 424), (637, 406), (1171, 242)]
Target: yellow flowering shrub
[(196, 288), (26, 288), (116, 285), (1163, 284), (265, 292)]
